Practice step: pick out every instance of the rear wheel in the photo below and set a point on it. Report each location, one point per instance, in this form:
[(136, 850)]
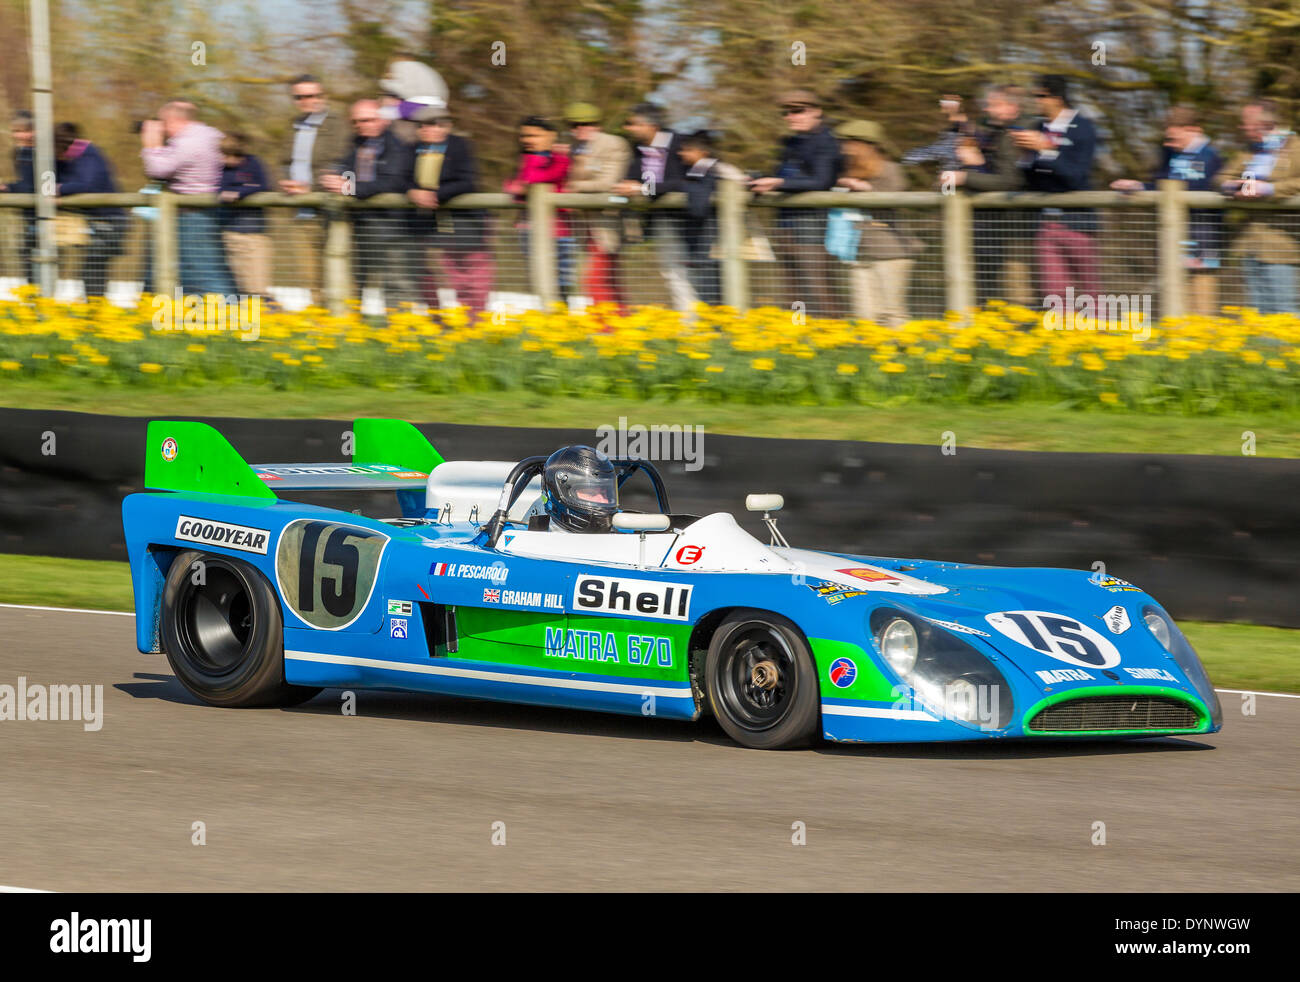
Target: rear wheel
[(762, 682), (223, 634)]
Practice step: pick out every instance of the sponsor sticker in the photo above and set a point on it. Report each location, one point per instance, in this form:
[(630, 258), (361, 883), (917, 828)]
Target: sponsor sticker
[(397, 628), (1151, 674), (1113, 583), (328, 470), (689, 555), (833, 593), (399, 607), (871, 575), (957, 628), (1053, 676), (169, 450), (627, 595), (843, 672), (608, 646), (228, 536), (1117, 620), (1056, 636)]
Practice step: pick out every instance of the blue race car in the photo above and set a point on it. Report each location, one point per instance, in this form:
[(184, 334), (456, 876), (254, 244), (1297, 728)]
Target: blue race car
[(526, 582)]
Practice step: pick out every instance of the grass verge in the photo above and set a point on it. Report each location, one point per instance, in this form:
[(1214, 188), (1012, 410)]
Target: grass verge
[(1237, 656)]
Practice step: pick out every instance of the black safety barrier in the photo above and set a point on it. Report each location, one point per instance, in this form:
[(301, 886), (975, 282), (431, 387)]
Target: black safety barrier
[(1214, 538)]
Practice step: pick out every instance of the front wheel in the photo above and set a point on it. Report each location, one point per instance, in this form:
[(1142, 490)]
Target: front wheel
[(223, 634), (762, 682)]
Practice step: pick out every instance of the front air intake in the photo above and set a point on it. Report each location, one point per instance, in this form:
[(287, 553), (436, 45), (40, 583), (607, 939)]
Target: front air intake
[(1112, 714)]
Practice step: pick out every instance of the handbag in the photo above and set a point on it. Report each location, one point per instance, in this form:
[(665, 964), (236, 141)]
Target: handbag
[(843, 233), (71, 230)]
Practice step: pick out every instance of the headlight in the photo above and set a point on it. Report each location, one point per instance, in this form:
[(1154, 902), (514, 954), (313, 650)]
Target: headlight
[(1157, 626), (898, 645), (1164, 630), (945, 673)]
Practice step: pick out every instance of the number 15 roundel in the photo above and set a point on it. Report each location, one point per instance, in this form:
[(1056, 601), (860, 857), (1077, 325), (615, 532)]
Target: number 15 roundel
[(1056, 636), (327, 571)]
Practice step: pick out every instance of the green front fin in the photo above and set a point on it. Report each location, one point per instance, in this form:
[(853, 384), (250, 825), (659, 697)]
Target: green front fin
[(201, 460), (393, 441)]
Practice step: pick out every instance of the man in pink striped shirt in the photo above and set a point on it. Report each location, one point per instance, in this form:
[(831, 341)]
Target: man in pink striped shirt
[(186, 154)]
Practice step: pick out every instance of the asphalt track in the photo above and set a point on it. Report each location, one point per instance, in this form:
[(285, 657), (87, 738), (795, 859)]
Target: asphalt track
[(403, 796)]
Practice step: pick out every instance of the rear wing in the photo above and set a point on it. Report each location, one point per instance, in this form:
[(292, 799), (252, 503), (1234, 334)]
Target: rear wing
[(388, 455)]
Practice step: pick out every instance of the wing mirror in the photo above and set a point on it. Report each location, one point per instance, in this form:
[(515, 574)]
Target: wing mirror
[(768, 503), (631, 522), (764, 502), (625, 522)]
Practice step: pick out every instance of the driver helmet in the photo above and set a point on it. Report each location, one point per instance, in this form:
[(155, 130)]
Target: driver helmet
[(581, 489)]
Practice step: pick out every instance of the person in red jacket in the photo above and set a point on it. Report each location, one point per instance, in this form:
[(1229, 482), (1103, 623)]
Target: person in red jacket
[(543, 161)]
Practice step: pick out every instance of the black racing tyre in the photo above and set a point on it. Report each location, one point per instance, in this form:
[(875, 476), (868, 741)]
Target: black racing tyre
[(762, 682), (223, 634)]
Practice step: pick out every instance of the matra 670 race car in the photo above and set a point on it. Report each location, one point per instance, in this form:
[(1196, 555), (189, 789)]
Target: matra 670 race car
[(525, 582)]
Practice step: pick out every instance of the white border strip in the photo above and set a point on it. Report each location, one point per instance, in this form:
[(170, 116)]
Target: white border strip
[(474, 673), (5, 889), (70, 610), (876, 713), (1252, 692)]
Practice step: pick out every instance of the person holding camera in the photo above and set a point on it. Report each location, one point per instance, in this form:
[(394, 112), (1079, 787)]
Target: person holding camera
[(989, 160), (186, 154)]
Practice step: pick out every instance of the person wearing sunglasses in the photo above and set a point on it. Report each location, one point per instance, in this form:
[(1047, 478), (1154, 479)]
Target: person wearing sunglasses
[(1061, 150), (320, 136), (810, 161), (378, 163)]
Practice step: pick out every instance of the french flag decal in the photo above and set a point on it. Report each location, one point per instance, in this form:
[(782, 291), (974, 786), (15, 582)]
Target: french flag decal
[(438, 569)]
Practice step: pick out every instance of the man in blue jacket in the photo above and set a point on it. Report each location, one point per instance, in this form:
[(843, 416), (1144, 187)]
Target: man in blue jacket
[(81, 169), (378, 163), (810, 161), (1188, 156), (1063, 147)]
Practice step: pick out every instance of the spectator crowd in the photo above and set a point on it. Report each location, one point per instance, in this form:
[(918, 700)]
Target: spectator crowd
[(404, 142)]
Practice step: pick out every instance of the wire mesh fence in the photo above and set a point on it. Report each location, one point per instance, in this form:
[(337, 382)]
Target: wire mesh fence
[(881, 258), (877, 264)]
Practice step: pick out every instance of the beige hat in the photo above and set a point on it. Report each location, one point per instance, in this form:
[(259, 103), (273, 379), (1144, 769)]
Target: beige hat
[(866, 131), (581, 112)]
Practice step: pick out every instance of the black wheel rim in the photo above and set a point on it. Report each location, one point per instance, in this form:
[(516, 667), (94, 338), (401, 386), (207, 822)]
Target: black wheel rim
[(758, 677), (215, 619)]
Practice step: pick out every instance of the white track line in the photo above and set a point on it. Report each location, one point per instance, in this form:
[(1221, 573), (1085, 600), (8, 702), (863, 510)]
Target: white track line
[(70, 610), (5, 889), (127, 613)]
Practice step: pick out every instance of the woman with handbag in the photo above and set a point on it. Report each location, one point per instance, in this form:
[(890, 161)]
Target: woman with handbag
[(872, 244)]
